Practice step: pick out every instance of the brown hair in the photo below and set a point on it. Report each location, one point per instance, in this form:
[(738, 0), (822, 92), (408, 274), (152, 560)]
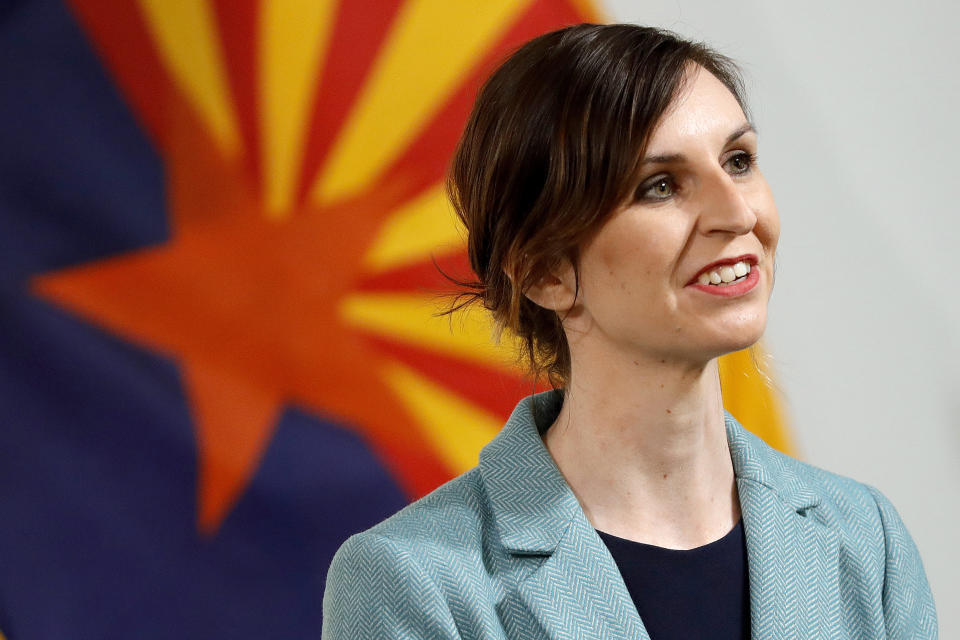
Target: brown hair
[(551, 148)]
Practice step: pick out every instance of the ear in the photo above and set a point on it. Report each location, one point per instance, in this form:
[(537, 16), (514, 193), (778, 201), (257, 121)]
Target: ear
[(557, 290)]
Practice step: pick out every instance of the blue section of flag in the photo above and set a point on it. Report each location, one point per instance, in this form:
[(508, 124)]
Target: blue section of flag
[(97, 451), (78, 178)]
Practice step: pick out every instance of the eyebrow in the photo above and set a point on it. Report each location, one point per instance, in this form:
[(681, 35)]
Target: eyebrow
[(679, 157)]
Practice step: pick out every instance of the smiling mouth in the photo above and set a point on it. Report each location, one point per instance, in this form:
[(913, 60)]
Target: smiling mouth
[(737, 286), (725, 274), (727, 284)]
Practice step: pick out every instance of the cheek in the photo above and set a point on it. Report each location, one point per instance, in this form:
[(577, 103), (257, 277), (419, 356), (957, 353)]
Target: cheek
[(770, 227), (768, 219), (625, 260), (632, 254)]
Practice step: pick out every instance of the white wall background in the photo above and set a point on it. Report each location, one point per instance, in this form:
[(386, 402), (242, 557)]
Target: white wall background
[(858, 109)]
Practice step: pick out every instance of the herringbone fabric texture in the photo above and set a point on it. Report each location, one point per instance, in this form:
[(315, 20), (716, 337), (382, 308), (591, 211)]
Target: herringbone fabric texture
[(504, 551)]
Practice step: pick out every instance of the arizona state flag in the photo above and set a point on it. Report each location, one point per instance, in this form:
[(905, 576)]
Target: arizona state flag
[(217, 351)]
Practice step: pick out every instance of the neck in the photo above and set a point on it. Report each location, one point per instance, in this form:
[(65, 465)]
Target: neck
[(642, 443)]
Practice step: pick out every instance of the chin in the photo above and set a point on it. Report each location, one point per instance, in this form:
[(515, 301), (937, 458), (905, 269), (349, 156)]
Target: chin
[(739, 338), (704, 352)]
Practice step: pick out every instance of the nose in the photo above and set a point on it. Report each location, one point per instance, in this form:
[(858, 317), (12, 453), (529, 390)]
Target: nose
[(724, 208)]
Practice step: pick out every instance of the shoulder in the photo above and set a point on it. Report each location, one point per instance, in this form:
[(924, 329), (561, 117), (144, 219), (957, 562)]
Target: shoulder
[(877, 554), (837, 500), (856, 509), (842, 495), (452, 514), (408, 566), (442, 533), (860, 515)]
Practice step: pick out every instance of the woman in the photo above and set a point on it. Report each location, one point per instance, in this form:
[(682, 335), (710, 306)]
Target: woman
[(619, 224)]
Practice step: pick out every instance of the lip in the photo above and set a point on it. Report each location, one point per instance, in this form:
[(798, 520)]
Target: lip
[(723, 262), (731, 290)]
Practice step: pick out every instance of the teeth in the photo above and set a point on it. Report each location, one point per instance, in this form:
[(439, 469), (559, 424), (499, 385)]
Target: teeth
[(725, 274)]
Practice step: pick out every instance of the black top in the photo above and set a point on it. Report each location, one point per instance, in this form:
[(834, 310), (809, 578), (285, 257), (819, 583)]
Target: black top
[(693, 593)]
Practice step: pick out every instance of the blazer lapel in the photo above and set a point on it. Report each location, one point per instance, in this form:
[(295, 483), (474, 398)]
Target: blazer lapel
[(578, 593), (571, 587), (792, 555)]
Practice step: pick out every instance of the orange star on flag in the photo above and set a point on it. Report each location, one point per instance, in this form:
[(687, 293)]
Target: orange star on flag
[(305, 146)]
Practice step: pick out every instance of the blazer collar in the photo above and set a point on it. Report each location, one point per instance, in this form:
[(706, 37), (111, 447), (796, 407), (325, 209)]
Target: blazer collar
[(577, 591), (755, 461), (533, 504), (531, 501)]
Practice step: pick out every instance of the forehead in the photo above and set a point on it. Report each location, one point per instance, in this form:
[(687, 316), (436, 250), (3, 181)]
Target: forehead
[(703, 110)]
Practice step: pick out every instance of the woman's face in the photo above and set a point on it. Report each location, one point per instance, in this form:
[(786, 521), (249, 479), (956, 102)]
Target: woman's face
[(701, 199)]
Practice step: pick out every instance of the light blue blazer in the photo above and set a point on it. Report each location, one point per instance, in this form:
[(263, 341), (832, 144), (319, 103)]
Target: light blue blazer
[(505, 551)]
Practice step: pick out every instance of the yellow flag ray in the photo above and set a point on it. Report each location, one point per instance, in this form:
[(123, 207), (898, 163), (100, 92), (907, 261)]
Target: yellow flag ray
[(187, 39), (293, 40), (750, 398), (409, 318), (432, 45), (425, 226), (456, 428)]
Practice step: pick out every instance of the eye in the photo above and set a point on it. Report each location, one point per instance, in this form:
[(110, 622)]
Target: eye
[(741, 163), (659, 188)]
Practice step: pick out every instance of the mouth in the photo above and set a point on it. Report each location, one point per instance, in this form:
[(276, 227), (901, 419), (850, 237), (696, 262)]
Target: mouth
[(725, 271)]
